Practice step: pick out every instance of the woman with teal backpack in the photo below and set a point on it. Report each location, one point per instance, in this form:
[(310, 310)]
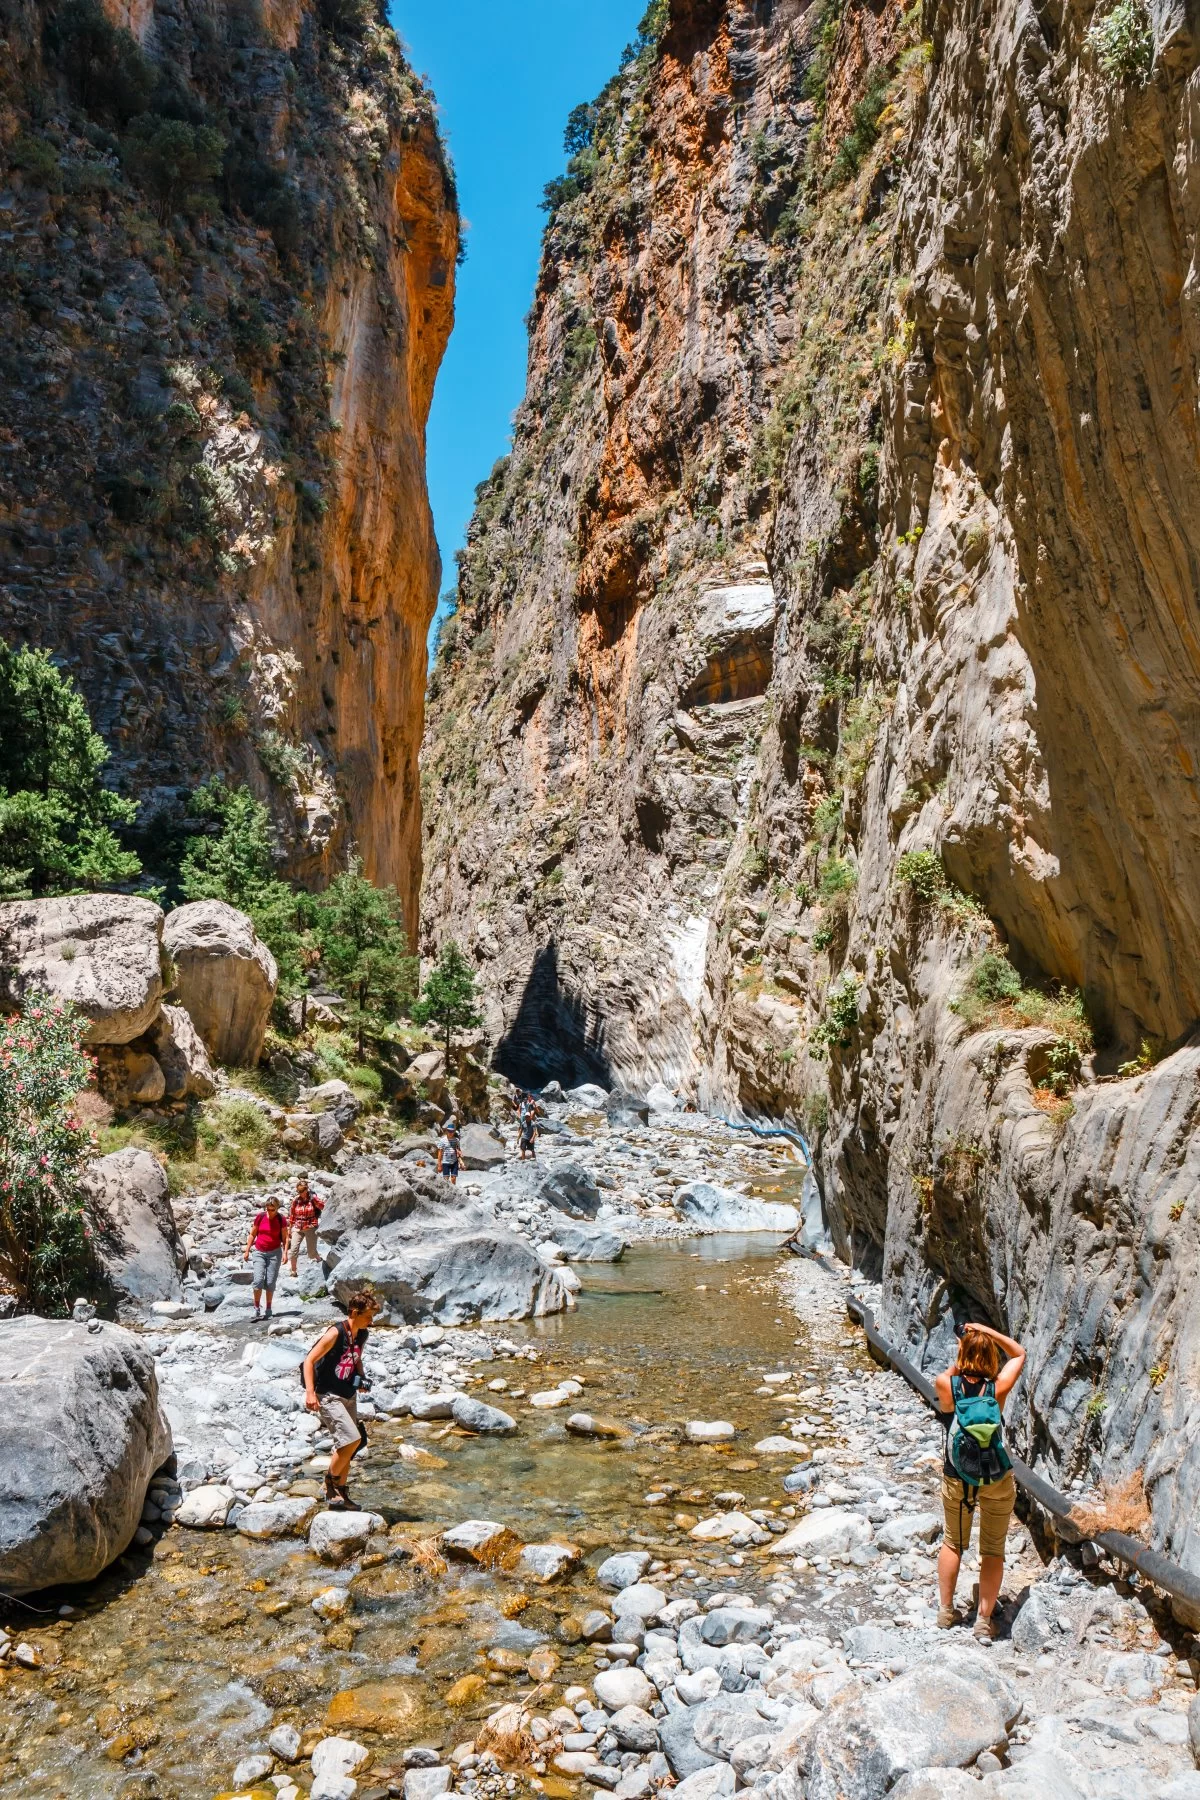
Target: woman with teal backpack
[(977, 1475)]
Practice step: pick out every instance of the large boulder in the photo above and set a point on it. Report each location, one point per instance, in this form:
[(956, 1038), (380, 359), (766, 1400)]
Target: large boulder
[(588, 1243), (224, 977), (569, 1189), (129, 1075), (102, 952), (138, 1248), (712, 1208), (942, 1714), (481, 1148), (374, 1192), (449, 1263), (179, 1051), (83, 1433)]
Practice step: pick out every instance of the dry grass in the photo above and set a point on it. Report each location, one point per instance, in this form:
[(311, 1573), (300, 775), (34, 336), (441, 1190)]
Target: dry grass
[(427, 1558), (507, 1735), (92, 1109), (1055, 1106), (1120, 1506)]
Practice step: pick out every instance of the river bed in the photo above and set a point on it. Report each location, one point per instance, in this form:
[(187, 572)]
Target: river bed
[(177, 1662)]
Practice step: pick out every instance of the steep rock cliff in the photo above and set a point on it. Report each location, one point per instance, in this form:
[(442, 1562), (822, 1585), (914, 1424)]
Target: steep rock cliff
[(217, 373), (825, 675)]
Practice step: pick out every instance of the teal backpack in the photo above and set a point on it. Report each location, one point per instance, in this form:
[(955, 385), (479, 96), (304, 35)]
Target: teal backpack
[(976, 1437)]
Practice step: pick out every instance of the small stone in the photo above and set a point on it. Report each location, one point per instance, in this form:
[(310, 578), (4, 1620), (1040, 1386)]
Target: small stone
[(337, 1536), (474, 1415), (710, 1431), (634, 1729), (546, 1562), (640, 1599), (252, 1769), (596, 1626), (420, 1756), (284, 1742), (479, 1541), (542, 1663), (333, 1603), (622, 1570), (206, 1508), (583, 1424), (623, 1687), (426, 1784)]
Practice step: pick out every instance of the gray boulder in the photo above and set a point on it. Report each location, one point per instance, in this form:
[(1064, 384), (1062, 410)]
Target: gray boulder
[(449, 1263), (102, 952), (627, 1109), (83, 1434), (179, 1050), (470, 1414), (138, 1247), (480, 1148), (712, 1208), (940, 1715), (224, 976), (374, 1192), (588, 1243), (677, 1737)]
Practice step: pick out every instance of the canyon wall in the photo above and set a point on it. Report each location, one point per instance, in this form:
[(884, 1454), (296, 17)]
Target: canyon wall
[(818, 728), (216, 378)]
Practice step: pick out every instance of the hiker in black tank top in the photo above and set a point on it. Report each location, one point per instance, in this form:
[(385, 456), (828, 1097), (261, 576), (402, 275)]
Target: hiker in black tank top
[(333, 1378), (988, 1364)]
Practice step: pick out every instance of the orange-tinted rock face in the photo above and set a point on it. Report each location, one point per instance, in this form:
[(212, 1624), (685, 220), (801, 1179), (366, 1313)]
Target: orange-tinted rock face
[(213, 500)]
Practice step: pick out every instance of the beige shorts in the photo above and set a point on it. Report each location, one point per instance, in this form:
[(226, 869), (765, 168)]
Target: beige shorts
[(340, 1419), (994, 1503)]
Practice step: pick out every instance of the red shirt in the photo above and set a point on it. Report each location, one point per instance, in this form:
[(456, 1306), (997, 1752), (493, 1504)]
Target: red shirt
[(268, 1231)]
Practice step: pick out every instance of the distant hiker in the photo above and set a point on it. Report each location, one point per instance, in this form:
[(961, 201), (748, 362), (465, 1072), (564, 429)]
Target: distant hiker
[(527, 1127), (303, 1219), (333, 1379), (977, 1472), (447, 1153), (267, 1234)]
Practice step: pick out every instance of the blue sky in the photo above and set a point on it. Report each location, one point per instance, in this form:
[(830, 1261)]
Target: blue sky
[(506, 73)]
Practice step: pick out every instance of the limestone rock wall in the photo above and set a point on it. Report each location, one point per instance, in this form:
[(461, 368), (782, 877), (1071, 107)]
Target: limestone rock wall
[(212, 413), (831, 631)]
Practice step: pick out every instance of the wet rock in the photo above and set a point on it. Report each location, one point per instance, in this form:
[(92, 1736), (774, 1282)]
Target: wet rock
[(138, 1247), (710, 1431), (336, 1761), (588, 1425), (711, 1208), (475, 1415), (615, 1688), (333, 1603), (775, 1446), (179, 1051), (479, 1541), (834, 1531), (387, 1705), (284, 1742), (337, 1536), (722, 1526), (99, 951), (206, 1508), (78, 1450), (224, 977), (276, 1518), (622, 1570), (546, 1562), (588, 1243), (252, 1769), (449, 1262), (937, 1715)]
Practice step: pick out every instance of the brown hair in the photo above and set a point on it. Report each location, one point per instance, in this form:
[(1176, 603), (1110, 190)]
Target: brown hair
[(978, 1355), (362, 1301)]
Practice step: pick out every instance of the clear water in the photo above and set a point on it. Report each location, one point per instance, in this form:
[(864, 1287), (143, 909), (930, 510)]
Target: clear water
[(177, 1661)]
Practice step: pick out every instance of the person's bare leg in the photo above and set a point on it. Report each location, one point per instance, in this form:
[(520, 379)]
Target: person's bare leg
[(949, 1563), (991, 1577), (339, 1463)]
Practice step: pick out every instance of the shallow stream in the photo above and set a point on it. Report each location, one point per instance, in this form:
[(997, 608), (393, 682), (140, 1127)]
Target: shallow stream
[(178, 1662)]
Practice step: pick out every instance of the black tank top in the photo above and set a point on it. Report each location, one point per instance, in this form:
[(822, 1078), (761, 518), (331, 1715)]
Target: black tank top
[(326, 1379)]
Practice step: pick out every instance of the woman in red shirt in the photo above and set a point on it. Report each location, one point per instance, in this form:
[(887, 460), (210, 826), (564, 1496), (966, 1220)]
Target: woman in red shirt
[(266, 1241)]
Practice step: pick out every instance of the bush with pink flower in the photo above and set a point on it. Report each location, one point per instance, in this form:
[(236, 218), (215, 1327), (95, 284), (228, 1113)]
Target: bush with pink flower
[(45, 1219)]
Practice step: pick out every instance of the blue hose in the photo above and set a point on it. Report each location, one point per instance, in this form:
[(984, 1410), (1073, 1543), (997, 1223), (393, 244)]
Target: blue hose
[(783, 1131)]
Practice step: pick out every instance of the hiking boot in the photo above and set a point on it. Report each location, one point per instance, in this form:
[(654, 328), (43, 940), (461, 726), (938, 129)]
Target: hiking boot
[(349, 1505), (257, 1315), (948, 1617), (334, 1499), (986, 1630)]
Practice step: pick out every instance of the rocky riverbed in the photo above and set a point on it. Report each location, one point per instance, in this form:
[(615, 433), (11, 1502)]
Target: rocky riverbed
[(681, 1533)]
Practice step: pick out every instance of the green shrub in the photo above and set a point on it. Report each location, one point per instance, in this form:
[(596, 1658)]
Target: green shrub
[(922, 873), (359, 932), (840, 1018), (827, 816), (1123, 42), (237, 864), (864, 125), (837, 878), (174, 163), (994, 978), (105, 70), (45, 1221)]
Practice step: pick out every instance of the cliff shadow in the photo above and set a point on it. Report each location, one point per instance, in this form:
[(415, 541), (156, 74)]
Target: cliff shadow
[(556, 1035)]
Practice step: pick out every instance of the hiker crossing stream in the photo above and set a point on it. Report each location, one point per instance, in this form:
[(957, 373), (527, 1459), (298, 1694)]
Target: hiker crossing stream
[(700, 1553)]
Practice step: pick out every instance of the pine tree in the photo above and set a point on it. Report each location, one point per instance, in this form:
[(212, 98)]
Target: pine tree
[(56, 817), (359, 930), (237, 865), (449, 995)]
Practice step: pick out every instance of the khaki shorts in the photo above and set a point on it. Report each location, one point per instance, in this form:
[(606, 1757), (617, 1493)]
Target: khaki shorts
[(994, 1503), (340, 1419), (309, 1240)]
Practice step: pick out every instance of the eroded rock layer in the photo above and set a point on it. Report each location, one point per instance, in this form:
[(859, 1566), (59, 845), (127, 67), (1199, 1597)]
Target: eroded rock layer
[(817, 730), (212, 417)]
